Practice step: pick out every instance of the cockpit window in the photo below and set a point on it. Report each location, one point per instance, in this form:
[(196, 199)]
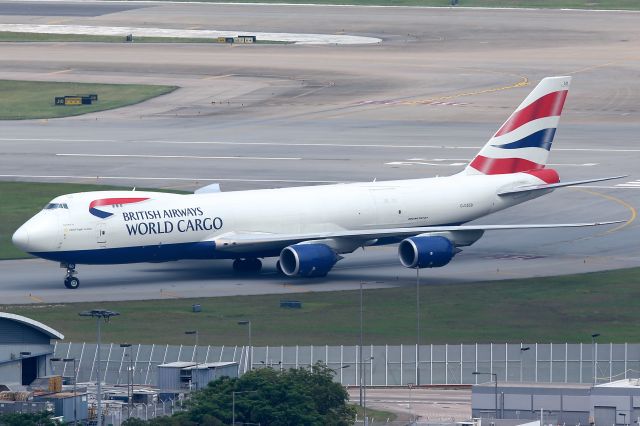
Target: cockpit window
[(52, 206)]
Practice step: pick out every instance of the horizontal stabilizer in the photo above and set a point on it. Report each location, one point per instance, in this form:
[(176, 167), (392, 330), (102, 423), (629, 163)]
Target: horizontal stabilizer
[(532, 188)]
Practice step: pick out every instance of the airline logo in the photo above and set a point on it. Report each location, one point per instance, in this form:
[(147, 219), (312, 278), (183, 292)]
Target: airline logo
[(524, 140), (115, 202)]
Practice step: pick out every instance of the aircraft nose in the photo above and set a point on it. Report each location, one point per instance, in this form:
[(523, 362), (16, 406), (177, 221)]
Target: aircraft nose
[(41, 233), (21, 238)]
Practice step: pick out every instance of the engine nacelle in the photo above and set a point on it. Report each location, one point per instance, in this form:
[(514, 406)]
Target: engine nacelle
[(307, 260), (426, 252)]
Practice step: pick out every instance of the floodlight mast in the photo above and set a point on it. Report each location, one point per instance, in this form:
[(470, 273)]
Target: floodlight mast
[(105, 315), (130, 375)]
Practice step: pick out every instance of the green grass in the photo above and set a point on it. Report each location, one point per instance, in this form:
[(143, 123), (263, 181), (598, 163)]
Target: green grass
[(21, 200), (378, 416), (551, 4), (556, 309), (35, 99), (7, 36)]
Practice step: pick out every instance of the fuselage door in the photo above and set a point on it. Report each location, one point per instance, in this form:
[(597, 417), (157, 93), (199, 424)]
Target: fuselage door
[(101, 235)]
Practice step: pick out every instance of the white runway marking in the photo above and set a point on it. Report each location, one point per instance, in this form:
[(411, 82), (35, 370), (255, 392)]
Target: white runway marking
[(606, 187), (303, 144), (187, 157), (56, 140), (168, 178), (632, 184), (597, 149), (338, 145), (424, 163), (573, 164), (456, 162), (330, 145), (181, 33)]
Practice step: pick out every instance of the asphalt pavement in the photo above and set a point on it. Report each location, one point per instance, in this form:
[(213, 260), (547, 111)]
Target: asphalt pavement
[(421, 103)]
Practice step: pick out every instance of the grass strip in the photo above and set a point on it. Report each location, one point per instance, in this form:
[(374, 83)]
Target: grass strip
[(16, 37), (377, 416), (554, 309), (22, 100)]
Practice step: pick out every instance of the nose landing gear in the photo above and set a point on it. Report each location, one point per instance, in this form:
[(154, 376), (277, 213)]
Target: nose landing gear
[(71, 281)]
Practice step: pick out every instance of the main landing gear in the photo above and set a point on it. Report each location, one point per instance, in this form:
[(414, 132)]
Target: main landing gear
[(70, 281), (247, 265)]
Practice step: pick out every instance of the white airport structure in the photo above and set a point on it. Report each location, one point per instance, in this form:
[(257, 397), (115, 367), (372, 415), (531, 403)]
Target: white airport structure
[(614, 403), (25, 349)]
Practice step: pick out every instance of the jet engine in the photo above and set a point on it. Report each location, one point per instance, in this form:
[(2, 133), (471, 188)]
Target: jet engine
[(426, 251), (307, 260)]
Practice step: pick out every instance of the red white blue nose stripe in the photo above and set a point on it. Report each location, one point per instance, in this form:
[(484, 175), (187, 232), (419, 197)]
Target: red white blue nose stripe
[(110, 202)]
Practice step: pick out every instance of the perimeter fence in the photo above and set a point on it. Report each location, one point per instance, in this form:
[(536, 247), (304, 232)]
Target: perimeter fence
[(382, 365)]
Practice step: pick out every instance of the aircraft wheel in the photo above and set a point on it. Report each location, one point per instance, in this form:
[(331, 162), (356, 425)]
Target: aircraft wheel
[(255, 265), (238, 265), (72, 283)]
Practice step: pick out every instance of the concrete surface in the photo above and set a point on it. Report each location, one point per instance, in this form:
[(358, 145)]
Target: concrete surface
[(421, 103)]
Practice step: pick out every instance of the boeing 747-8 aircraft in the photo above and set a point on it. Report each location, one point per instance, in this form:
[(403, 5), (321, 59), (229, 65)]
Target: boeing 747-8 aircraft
[(309, 228)]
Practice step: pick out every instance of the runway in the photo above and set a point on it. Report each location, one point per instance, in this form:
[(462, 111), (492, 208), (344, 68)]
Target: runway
[(421, 103)]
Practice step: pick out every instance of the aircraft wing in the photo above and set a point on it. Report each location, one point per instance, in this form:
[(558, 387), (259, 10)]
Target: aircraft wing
[(245, 241), (532, 188)]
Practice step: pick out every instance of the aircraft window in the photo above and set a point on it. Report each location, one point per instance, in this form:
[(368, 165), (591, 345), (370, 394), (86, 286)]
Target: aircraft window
[(52, 206)]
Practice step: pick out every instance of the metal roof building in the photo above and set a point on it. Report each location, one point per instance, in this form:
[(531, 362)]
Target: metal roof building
[(177, 377), (25, 348), (607, 404)]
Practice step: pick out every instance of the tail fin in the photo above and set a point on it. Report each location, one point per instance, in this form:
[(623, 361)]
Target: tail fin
[(524, 140)]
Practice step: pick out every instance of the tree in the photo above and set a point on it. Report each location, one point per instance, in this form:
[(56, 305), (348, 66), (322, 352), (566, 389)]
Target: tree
[(27, 419), (280, 398)]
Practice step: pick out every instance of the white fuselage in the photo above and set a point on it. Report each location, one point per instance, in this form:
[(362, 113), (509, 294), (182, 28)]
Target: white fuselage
[(166, 226)]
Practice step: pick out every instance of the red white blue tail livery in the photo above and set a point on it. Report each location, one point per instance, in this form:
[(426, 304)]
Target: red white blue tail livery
[(523, 142), (309, 228)]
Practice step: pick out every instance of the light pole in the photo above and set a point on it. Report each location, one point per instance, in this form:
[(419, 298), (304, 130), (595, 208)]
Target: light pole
[(495, 387), (130, 371), (195, 355), (233, 405), (523, 349), (75, 379), (417, 326), (250, 349), (594, 353), (105, 315), (364, 406), (361, 342)]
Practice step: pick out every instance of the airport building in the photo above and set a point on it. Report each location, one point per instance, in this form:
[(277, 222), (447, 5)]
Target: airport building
[(25, 349), (180, 377), (613, 403), (27, 379)]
